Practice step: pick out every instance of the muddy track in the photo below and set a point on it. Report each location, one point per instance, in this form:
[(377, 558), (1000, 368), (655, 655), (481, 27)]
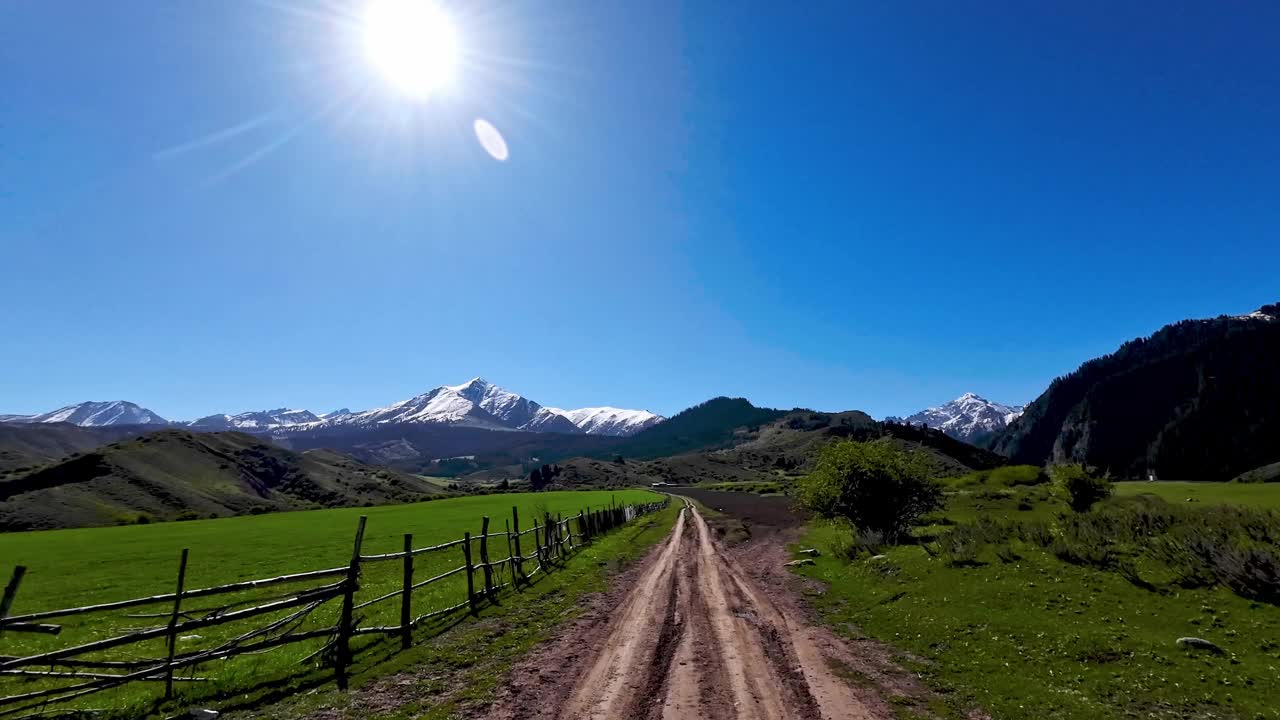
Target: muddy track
[(693, 637)]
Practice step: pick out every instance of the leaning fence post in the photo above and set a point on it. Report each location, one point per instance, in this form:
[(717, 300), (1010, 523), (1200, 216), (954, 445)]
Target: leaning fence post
[(511, 559), (343, 656), (10, 591), (547, 536), (515, 526), (537, 543), (471, 586), (484, 558), (406, 623), (173, 625)]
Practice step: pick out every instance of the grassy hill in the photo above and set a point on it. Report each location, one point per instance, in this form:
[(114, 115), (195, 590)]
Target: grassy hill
[(1265, 474), (772, 451), (716, 423), (24, 447), (176, 474)]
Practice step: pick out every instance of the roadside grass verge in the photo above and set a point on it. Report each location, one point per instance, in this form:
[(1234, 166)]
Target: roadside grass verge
[(459, 670), (70, 568), (1038, 613)]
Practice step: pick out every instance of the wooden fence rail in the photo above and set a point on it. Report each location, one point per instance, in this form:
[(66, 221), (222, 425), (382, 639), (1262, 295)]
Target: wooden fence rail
[(554, 540)]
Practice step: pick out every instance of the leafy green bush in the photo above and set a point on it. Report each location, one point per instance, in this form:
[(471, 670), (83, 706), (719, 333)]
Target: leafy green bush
[(1081, 488), (874, 485)]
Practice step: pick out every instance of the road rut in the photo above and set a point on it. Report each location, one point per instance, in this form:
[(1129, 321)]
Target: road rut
[(694, 637)]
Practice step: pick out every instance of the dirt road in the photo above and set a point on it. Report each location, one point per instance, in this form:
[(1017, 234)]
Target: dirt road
[(692, 637)]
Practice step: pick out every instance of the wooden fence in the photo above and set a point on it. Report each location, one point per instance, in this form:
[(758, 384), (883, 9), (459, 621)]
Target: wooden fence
[(67, 673)]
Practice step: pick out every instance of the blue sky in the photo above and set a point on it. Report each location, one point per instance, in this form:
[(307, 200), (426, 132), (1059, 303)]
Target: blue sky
[(212, 206)]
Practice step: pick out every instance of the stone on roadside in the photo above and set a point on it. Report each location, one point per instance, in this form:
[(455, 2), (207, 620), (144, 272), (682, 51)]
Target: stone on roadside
[(801, 561)]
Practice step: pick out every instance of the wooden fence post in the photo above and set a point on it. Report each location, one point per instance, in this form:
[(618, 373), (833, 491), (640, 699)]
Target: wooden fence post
[(10, 591), (511, 559), (484, 558), (173, 625), (406, 622), (471, 586), (343, 655), (515, 526), (537, 543), (548, 536)]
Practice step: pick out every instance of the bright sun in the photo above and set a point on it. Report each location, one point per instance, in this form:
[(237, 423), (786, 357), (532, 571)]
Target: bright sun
[(413, 44)]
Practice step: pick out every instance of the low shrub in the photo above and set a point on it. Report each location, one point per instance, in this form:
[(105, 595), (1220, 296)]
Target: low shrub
[(1081, 488), (849, 543)]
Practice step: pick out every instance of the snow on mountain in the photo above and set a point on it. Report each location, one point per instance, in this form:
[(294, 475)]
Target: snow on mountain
[(968, 417), (96, 414), (610, 420), (256, 420), (475, 403), (480, 403)]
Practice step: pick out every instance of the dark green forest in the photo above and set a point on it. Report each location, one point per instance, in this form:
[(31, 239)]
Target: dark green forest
[(1195, 401)]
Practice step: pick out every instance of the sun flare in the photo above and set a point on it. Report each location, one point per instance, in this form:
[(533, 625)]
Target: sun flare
[(413, 44)]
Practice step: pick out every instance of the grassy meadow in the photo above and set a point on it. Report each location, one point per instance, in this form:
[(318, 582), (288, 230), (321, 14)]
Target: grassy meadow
[(1007, 603), (68, 568), (1262, 495)]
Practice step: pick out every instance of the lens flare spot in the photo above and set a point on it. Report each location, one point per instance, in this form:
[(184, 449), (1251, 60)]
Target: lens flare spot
[(491, 140)]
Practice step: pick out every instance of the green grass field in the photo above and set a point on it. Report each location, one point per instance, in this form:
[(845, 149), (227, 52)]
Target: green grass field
[(1266, 495), (1028, 635), (69, 568)]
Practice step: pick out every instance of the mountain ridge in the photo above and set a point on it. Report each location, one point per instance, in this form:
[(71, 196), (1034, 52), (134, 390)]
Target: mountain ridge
[(1194, 400), (475, 403)]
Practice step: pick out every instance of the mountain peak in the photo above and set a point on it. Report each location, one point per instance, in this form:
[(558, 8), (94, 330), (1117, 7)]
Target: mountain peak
[(97, 414), (969, 417)]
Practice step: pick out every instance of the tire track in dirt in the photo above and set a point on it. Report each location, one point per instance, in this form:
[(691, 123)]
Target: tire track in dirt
[(693, 637)]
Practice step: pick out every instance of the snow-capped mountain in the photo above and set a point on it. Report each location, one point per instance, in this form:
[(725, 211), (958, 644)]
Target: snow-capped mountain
[(609, 420), (480, 403), (95, 414), (968, 417), (475, 403), (256, 420)]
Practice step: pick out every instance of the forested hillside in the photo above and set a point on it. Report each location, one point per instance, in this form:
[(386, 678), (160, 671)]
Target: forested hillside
[(1197, 400)]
